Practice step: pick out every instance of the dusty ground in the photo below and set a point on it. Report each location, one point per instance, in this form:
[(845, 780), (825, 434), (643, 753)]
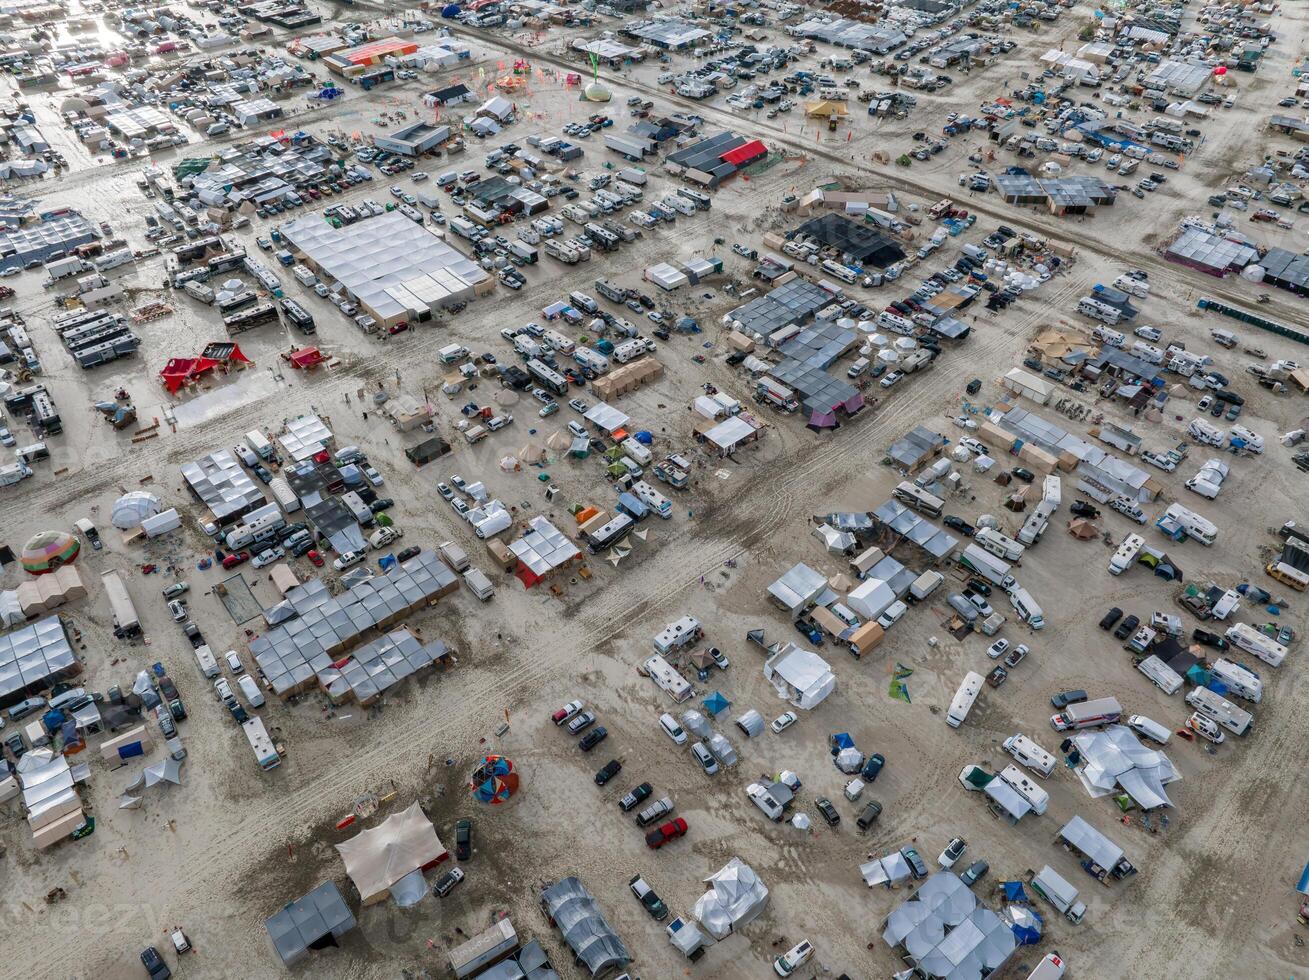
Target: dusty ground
[(231, 846)]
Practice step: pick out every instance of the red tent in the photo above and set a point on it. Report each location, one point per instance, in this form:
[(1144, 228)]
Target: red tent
[(305, 357), (745, 154), (182, 370)]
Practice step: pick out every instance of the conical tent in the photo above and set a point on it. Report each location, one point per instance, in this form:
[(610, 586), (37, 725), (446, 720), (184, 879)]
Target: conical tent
[(495, 780)]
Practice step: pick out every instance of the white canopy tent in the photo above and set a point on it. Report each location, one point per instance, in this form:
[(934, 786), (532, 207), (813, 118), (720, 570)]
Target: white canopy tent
[(736, 896), (800, 676), (1115, 759)]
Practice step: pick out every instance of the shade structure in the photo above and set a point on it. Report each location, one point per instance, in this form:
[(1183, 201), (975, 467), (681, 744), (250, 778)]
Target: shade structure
[(132, 508), (48, 550), (1082, 529), (495, 780), (379, 858)]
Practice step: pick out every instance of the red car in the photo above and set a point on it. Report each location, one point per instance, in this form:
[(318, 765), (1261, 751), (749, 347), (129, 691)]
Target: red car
[(400, 327), (314, 558), (670, 831), (236, 558)]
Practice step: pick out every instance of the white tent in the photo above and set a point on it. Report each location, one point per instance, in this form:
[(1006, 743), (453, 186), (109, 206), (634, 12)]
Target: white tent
[(1115, 758), (132, 508), (378, 860), (886, 870), (836, 542), (801, 676), (871, 598), (735, 897)]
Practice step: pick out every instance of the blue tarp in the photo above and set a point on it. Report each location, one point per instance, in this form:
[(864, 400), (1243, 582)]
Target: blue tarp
[(1013, 891), (1303, 886), (839, 742)]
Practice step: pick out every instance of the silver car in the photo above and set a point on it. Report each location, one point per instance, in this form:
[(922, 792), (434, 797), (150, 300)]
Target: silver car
[(705, 758)]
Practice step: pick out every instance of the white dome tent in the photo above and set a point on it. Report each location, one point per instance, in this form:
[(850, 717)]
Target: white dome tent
[(132, 508)]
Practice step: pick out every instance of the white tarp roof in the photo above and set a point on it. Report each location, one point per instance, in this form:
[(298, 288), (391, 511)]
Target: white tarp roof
[(305, 436), (543, 548), (1115, 758), (735, 897), (948, 933), (798, 586), (606, 417), (379, 858), (801, 676), (1008, 799), (1092, 843), (885, 870), (729, 432)]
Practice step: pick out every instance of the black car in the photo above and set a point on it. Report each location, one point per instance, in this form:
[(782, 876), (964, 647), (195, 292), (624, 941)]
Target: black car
[(16, 745), (408, 553), (592, 738), (610, 770), (1205, 638), (1112, 616), (1081, 508), (974, 873), (978, 586), (464, 839), (633, 797), (238, 712), (959, 524), (1126, 628), (1065, 698), (648, 898), (1027, 476), (193, 634), (828, 811), (873, 767), (381, 504), (177, 709), (154, 964)]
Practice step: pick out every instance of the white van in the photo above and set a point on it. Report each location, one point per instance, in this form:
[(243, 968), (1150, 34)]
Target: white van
[(1150, 729), (1026, 751), (452, 352), (250, 688), (1051, 967), (858, 368)]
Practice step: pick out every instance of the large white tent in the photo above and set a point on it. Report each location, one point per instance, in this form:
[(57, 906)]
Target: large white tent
[(1115, 759), (380, 859), (735, 897), (801, 676)]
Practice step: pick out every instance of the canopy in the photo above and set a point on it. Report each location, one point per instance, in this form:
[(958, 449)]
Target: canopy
[(305, 923), (379, 858), (495, 780), (716, 703), (47, 550), (131, 509), (1082, 529), (885, 871)]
